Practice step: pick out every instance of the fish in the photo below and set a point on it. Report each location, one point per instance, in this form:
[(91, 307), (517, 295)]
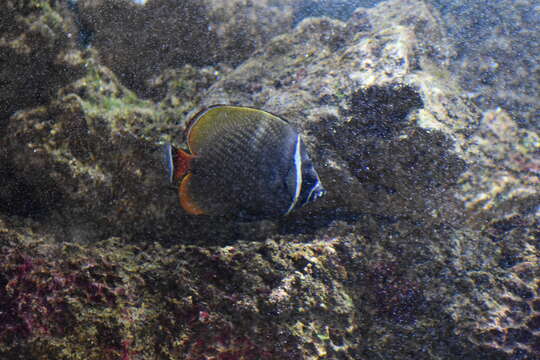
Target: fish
[(242, 162)]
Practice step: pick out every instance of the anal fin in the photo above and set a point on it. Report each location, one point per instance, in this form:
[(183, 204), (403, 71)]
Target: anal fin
[(186, 200)]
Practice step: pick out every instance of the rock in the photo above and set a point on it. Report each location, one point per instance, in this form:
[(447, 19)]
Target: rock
[(243, 26), (496, 45), (251, 299), (182, 88), (372, 104), (81, 155), (337, 9), (505, 176), (83, 160), (161, 39), (37, 53), (500, 194), (54, 295), (208, 32), (427, 239)]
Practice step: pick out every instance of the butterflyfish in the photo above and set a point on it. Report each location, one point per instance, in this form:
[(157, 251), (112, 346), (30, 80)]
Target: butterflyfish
[(242, 162)]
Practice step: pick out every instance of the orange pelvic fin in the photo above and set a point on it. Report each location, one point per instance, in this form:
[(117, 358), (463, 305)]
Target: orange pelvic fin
[(185, 198)]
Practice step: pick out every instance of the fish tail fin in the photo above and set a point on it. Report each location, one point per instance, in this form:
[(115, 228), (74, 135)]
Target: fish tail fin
[(177, 162)]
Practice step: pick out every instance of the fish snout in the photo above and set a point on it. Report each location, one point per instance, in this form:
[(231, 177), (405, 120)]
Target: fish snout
[(318, 192)]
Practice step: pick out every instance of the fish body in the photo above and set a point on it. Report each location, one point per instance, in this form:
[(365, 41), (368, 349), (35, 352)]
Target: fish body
[(243, 162)]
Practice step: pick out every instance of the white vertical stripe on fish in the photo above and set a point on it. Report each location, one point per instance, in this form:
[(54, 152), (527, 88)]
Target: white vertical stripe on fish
[(298, 166)]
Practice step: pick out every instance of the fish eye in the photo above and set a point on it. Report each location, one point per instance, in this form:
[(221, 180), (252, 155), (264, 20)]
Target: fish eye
[(320, 193)]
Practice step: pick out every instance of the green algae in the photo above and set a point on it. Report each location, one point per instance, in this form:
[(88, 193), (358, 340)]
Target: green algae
[(100, 100)]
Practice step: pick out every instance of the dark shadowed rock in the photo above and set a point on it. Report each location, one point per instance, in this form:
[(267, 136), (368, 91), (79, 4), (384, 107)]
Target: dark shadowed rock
[(139, 41), (37, 54)]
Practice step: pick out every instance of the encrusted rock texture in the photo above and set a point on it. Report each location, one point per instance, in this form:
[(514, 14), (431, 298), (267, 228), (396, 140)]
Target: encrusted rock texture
[(172, 33), (497, 46), (38, 54), (425, 247)]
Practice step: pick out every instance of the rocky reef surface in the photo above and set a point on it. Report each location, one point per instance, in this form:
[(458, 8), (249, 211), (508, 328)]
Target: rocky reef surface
[(425, 247), (171, 33), (496, 44), (37, 52)]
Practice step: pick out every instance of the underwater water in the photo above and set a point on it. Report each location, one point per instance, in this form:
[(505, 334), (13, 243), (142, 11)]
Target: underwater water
[(395, 166)]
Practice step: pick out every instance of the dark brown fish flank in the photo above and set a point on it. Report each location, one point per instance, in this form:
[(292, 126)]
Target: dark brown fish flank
[(241, 166), (227, 148), (244, 164), (246, 178)]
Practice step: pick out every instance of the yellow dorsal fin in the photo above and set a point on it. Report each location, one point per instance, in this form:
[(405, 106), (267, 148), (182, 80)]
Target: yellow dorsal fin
[(215, 121)]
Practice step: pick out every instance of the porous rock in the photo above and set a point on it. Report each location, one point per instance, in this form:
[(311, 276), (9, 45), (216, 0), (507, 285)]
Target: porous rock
[(370, 99), (496, 47), (38, 54), (498, 304), (141, 40), (81, 158), (395, 262)]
